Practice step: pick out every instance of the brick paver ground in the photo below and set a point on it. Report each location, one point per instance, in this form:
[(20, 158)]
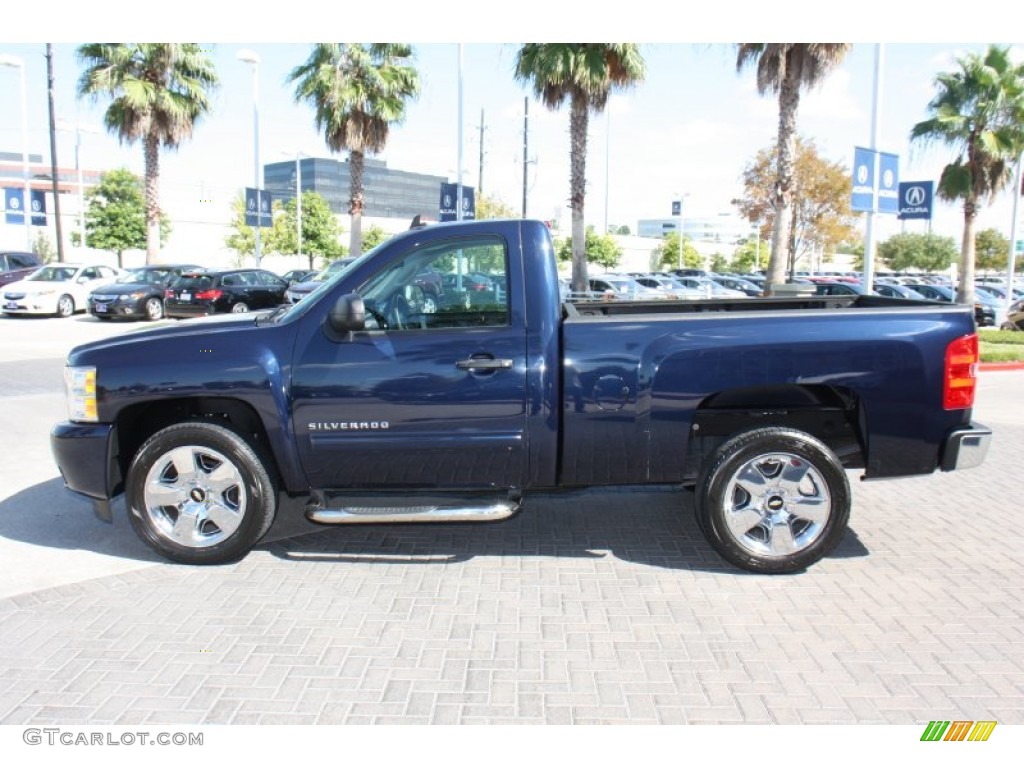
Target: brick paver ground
[(590, 607)]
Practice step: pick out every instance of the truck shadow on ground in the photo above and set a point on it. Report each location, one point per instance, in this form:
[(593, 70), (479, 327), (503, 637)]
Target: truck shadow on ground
[(46, 515), (654, 527)]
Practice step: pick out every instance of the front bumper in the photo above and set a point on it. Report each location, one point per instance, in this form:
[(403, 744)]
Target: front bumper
[(85, 455), (30, 305), (965, 447)]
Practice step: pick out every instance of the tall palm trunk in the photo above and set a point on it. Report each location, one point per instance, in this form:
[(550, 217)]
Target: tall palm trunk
[(152, 154), (355, 202), (578, 120), (789, 101), (965, 287)]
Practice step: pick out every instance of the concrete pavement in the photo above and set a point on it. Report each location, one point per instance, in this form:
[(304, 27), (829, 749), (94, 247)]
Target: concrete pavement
[(588, 607)]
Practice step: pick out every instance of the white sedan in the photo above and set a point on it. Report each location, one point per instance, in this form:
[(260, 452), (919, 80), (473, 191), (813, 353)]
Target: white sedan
[(55, 289)]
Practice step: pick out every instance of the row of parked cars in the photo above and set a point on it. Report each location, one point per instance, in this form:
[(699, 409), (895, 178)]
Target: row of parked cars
[(144, 293)]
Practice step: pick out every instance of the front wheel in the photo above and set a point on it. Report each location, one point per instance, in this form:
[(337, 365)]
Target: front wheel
[(65, 306), (773, 500), (240, 307), (154, 308), (198, 493)]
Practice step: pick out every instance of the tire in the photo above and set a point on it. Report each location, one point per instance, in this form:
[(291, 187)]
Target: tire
[(773, 500), (153, 308), (429, 304), (65, 306), (239, 308), (198, 493)]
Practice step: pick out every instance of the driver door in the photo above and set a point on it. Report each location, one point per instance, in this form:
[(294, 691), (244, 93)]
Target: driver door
[(433, 393)]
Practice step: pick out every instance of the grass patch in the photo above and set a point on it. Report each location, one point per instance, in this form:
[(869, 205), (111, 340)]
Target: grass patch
[(1001, 353), (1001, 337)]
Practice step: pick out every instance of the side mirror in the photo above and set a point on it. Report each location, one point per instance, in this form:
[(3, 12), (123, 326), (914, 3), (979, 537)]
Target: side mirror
[(347, 315)]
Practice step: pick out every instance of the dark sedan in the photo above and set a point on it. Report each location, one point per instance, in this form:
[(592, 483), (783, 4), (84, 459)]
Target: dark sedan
[(195, 294), (137, 294), (17, 265), (984, 314)]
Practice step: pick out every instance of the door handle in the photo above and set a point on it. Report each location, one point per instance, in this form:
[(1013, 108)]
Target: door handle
[(483, 364)]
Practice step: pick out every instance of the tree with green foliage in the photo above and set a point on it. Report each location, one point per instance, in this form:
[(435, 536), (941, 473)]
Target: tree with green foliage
[(786, 69), (44, 248), (115, 214), (992, 250), (624, 230), (668, 253), (158, 92), (488, 207), (320, 229), (749, 256), (584, 74), (927, 252), (374, 236), (979, 112), (819, 199), (602, 250), (358, 91)]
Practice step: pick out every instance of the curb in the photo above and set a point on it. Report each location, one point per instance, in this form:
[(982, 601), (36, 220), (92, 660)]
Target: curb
[(1010, 366)]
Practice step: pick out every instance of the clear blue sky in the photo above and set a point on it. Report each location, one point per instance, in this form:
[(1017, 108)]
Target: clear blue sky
[(689, 128)]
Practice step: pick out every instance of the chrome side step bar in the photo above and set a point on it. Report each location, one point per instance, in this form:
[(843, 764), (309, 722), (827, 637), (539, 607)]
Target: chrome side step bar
[(465, 513)]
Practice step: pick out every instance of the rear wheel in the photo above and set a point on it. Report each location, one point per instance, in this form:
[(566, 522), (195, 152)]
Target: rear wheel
[(198, 493), (240, 307), (65, 306), (154, 308), (773, 500)]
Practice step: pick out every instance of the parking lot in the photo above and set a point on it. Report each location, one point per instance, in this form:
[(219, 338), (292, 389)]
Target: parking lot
[(588, 607)]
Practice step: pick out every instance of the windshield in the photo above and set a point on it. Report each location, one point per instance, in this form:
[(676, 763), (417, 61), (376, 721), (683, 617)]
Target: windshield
[(53, 274), (134, 276)]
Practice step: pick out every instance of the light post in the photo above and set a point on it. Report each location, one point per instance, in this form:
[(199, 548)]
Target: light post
[(7, 60), (298, 197), (79, 129), (251, 57), (678, 208)]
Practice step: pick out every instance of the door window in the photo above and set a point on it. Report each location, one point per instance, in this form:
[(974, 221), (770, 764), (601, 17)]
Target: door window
[(455, 284)]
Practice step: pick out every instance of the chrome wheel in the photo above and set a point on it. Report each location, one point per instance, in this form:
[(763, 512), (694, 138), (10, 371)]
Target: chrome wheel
[(776, 504), (773, 500), (194, 496), (240, 307), (65, 306), (154, 309)]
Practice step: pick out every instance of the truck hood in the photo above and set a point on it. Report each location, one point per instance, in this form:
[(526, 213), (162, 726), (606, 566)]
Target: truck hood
[(198, 328)]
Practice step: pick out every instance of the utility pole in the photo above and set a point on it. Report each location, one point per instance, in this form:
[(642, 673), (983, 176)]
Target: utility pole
[(526, 133), (53, 154), (480, 173)]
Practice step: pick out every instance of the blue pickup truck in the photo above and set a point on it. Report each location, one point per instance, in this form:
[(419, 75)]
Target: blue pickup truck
[(370, 402)]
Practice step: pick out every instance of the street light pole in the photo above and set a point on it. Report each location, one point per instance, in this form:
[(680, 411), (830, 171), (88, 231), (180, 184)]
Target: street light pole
[(298, 203), (251, 57), (79, 129), (6, 60)]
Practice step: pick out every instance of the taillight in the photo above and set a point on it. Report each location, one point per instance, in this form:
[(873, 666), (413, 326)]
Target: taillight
[(961, 376), (213, 294)]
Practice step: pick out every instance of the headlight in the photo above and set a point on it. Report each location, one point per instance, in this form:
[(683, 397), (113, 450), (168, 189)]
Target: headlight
[(133, 296), (80, 384), (45, 292)]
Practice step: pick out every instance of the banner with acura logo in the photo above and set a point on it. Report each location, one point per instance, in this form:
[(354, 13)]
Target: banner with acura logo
[(916, 199), (15, 211)]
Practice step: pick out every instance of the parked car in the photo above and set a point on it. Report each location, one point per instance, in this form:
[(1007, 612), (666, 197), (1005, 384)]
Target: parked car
[(896, 291), (839, 289), (739, 284), (710, 288), (17, 265), (139, 293), (298, 275), (300, 290), (195, 294), (1014, 317), (59, 289), (984, 314)]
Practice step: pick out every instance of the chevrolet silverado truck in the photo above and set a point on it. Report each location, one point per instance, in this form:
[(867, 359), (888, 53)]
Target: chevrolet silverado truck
[(371, 404)]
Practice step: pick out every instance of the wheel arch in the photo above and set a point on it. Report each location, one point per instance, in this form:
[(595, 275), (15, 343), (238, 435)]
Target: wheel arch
[(832, 414), (137, 423)]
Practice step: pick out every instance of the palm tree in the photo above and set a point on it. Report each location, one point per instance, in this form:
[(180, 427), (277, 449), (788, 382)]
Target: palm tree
[(979, 111), (358, 91), (786, 69), (585, 74), (158, 92)]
